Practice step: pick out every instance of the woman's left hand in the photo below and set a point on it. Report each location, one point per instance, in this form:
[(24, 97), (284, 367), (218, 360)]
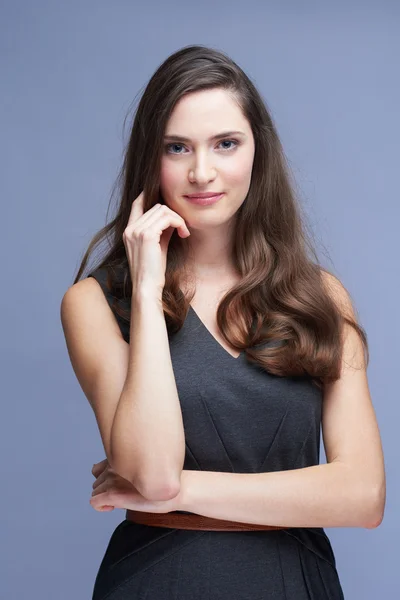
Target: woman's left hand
[(110, 491)]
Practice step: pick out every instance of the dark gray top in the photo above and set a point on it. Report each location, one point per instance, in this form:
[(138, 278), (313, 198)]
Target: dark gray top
[(237, 418)]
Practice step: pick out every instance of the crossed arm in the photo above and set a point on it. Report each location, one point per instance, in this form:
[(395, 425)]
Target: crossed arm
[(327, 495), (348, 491)]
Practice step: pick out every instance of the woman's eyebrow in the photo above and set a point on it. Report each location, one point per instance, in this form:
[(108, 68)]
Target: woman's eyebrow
[(181, 138)]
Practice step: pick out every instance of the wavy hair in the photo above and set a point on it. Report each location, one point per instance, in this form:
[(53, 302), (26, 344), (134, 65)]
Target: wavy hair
[(281, 312)]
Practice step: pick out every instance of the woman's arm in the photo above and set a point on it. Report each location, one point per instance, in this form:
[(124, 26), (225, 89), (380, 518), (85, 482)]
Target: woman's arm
[(348, 491), (130, 387), (148, 421), (327, 495)]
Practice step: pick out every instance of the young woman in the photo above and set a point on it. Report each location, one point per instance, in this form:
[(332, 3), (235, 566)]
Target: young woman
[(212, 347)]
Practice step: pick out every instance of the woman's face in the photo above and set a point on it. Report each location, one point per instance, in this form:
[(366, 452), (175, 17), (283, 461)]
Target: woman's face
[(206, 161)]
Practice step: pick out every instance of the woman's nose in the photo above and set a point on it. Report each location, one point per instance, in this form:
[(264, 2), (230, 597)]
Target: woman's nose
[(202, 171)]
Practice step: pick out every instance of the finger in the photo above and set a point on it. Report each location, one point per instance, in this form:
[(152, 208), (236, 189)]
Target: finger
[(136, 209), (101, 488), (99, 467), (102, 507), (158, 222), (95, 468), (100, 479), (147, 216), (142, 222), (99, 501)]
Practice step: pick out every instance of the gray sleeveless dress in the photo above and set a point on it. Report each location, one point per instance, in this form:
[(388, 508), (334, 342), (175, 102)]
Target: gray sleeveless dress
[(237, 418)]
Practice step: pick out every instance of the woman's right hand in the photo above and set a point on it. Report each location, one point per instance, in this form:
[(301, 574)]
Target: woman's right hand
[(146, 238)]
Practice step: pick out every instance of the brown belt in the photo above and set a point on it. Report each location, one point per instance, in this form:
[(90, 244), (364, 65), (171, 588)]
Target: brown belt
[(182, 520)]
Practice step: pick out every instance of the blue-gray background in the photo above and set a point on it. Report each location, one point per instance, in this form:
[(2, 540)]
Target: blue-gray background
[(69, 73)]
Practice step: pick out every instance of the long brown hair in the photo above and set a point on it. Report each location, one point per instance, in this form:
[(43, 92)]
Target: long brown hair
[(281, 297)]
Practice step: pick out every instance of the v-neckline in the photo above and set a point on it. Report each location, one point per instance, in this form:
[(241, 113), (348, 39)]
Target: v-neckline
[(213, 337)]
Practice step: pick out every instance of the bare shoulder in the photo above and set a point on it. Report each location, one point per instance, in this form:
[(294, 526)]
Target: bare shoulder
[(354, 352), (85, 288), (93, 337), (98, 353), (86, 297), (339, 294)]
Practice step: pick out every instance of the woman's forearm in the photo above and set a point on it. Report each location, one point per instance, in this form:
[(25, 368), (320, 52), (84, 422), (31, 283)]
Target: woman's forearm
[(327, 495), (147, 435)]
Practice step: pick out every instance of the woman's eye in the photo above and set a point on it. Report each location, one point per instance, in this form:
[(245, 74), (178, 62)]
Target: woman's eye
[(229, 142), (169, 147)]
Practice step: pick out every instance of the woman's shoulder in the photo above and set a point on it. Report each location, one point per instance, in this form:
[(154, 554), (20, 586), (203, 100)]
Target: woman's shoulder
[(338, 293), (104, 289)]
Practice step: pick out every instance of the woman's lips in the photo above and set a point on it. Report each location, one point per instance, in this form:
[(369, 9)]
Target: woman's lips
[(204, 201)]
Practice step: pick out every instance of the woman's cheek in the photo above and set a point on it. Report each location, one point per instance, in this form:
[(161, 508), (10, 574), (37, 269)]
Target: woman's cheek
[(239, 174), (170, 181)]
